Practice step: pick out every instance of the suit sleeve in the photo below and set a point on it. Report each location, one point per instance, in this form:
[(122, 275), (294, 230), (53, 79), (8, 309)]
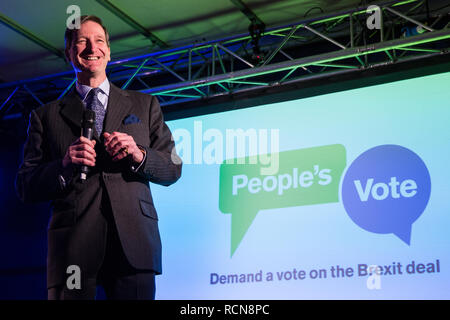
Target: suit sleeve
[(38, 178), (162, 164)]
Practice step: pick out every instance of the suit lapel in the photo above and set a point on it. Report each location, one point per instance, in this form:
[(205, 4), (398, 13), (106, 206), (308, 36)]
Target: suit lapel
[(118, 107), (72, 109)]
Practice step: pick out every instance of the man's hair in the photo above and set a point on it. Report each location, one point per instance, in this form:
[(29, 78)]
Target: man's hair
[(70, 34)]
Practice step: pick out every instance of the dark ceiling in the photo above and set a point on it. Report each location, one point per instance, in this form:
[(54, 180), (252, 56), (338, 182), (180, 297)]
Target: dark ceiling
[(175, 22)]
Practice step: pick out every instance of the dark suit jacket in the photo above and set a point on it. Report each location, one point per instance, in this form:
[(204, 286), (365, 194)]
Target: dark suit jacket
[(52, 129)]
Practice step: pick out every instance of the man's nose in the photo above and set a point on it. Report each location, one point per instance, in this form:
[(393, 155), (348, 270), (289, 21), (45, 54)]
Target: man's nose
[(91, 45)]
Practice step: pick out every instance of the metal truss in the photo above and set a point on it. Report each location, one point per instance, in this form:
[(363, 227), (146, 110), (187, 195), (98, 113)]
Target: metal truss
[(312, 48)]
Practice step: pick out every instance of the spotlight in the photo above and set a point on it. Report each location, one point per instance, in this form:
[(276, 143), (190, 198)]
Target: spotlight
[(412, 31), (256, 30)]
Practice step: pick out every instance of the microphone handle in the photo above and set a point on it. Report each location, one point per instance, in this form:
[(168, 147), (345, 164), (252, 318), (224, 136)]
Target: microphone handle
[(87, 133)]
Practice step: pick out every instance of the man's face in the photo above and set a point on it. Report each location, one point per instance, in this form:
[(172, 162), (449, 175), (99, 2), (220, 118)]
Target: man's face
[(89, 52)]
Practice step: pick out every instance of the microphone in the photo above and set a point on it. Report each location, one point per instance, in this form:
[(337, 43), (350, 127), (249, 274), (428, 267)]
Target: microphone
[(87, 131)]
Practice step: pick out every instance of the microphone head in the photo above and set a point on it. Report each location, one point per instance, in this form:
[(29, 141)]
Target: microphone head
[(88, 119)]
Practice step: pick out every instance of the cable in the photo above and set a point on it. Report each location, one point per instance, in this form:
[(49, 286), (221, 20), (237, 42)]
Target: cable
[(311, 9), (434, 10)]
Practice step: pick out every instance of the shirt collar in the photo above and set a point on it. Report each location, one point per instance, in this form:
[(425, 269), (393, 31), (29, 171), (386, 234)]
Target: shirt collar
[(83, 90)]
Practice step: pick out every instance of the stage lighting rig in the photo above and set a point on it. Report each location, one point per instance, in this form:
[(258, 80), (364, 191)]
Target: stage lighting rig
[(256, 30)]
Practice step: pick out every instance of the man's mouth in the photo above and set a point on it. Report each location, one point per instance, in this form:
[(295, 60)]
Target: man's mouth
[(91, 58)]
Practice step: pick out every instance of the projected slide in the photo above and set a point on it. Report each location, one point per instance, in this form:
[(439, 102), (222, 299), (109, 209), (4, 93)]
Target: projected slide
[(338, 196)]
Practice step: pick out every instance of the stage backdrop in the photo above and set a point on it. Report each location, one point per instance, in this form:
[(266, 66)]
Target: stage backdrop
[(338, 196)]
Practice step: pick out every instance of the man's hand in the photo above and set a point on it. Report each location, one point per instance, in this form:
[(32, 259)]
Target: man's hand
[(80, 152), (120, 145)]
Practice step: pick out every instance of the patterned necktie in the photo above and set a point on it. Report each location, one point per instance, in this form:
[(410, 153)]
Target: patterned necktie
[(93, 103)]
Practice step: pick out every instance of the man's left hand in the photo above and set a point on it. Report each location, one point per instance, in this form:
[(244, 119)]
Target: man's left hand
[(121, 145)]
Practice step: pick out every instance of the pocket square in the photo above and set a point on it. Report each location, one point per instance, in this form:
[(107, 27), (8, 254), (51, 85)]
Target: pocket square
[(131, 118)]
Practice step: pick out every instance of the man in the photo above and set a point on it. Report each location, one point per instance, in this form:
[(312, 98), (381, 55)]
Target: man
[(105, 227)]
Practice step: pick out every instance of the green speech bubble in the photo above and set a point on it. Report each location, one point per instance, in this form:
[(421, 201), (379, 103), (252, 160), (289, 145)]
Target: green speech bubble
[(305, 177)]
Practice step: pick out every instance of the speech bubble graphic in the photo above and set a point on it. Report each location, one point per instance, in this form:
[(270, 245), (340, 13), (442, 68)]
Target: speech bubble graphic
[(386, 189), (305, 177)]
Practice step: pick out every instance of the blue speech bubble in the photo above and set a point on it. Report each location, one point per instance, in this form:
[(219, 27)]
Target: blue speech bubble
[(386, 189)]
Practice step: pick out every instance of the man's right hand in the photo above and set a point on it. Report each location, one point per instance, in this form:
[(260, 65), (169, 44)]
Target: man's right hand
[(81, 152)]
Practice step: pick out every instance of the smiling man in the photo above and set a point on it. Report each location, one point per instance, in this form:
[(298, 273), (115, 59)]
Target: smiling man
[(104, 227)]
